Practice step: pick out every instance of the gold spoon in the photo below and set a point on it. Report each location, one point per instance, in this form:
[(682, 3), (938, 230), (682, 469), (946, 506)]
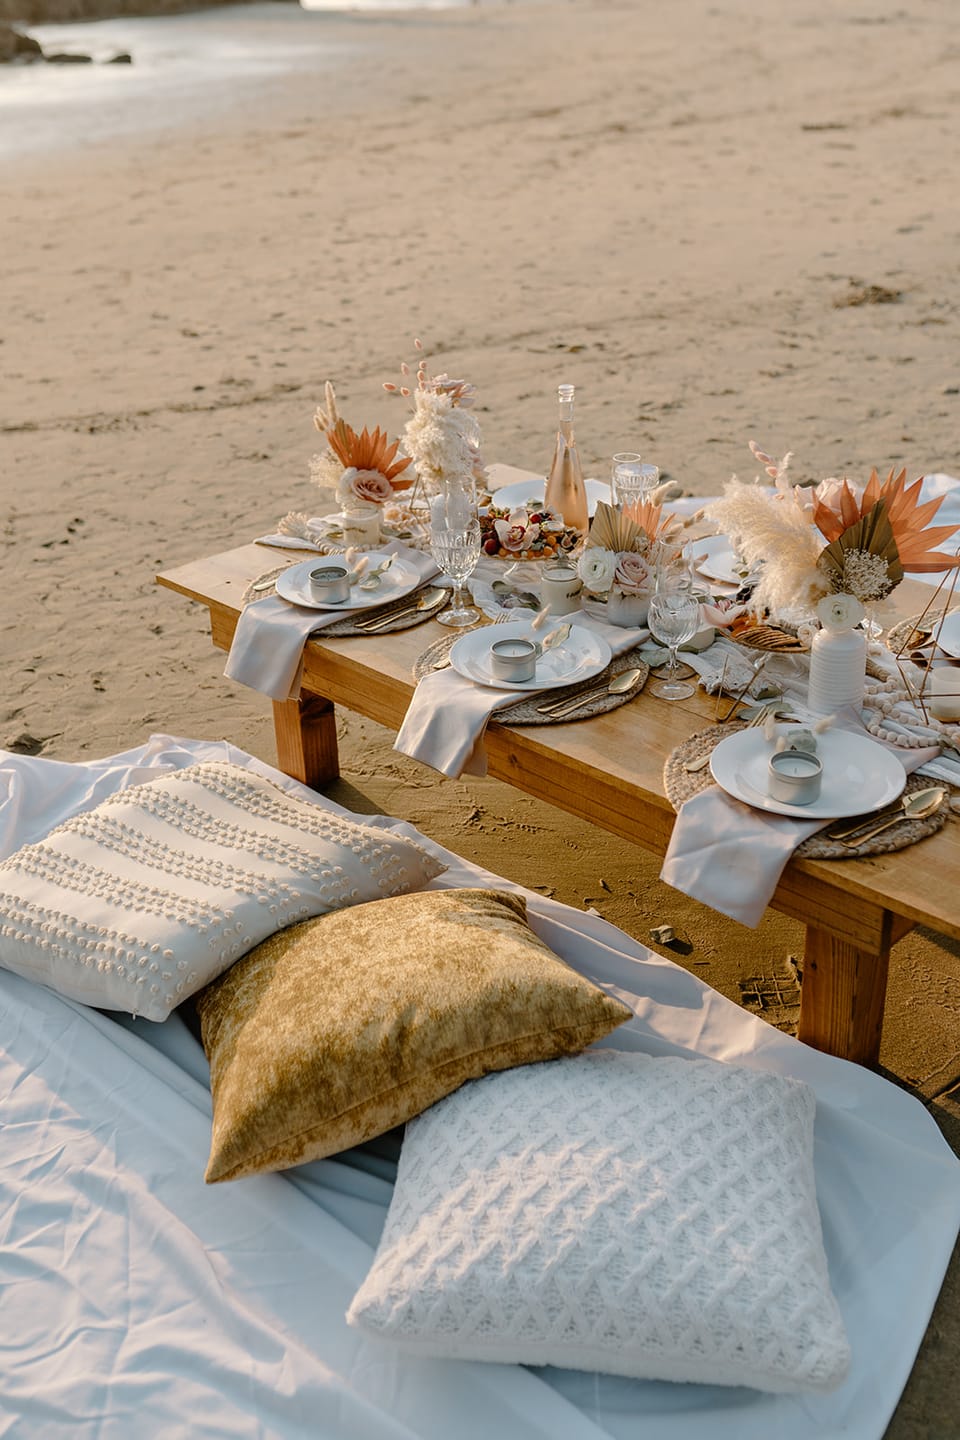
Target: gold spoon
[(428, 599), (619, 685), (917, 806)]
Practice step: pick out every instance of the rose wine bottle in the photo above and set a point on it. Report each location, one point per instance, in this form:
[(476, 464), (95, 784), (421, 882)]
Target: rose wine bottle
[(565, 493)]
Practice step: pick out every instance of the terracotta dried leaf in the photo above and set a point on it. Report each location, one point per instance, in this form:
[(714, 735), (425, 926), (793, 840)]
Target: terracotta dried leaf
[(368, 451), (649, 515)]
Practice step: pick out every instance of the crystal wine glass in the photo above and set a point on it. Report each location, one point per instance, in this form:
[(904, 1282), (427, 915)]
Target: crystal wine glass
[(674, 618), (455, 545)]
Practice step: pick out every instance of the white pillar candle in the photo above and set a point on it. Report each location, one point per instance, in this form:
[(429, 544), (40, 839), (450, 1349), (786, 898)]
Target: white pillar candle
[(944, 697), (560, 589), (361, 527)]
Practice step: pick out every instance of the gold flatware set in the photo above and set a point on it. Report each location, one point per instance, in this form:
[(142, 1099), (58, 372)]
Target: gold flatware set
[(918, 805)]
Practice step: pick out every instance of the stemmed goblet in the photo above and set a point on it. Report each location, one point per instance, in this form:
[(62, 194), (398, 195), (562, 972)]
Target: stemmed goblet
[(455, 546), (673, 618)]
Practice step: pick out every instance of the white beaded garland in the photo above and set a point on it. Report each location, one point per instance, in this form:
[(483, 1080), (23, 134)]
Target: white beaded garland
[(890, 700)]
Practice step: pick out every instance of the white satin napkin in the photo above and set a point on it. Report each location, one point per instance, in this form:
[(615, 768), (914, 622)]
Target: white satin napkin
[(446, 718), (730, 856), (290, 542), (267, 649)]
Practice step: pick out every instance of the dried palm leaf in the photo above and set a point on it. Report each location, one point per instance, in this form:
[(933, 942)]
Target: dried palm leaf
[(871, 535), (369, 452), (916, 538), (613, 530), (649, 515), (908, 516)]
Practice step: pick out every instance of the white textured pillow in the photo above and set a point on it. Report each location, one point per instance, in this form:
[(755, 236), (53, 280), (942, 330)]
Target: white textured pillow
[(138, 903), (655, 1218)]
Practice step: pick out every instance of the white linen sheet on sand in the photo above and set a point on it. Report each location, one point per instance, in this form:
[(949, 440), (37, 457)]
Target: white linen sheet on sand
[(136, 1301)]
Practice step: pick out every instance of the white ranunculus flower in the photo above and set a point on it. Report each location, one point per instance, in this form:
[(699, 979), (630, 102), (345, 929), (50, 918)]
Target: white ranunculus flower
[(840, 612), (597, 567)]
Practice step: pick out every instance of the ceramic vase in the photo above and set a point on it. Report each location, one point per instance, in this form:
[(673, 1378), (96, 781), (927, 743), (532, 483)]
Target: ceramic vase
[(628, 611), (837, 667)]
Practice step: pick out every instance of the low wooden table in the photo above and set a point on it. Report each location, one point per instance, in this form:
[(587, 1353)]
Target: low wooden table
[(608, 770)]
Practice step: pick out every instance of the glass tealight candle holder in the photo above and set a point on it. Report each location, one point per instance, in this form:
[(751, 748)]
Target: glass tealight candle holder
[(943, 699), (794, 777), (361, 526), (560, 589)]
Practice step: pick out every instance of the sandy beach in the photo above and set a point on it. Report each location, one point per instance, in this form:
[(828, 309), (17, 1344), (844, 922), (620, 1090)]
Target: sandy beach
[(721, 222)]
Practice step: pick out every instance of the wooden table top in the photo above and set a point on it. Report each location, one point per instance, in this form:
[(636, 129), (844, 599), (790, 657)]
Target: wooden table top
[(608, 770)]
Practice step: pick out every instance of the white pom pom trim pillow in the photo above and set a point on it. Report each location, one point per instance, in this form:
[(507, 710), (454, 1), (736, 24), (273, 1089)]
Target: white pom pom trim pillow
[(655, 1218), (139, 902)]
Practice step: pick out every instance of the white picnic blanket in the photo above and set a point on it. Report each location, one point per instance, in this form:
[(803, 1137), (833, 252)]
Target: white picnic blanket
[(139, 1302)]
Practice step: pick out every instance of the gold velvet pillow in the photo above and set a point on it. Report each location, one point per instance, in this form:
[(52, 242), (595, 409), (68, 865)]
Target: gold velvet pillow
[(337, 1029)]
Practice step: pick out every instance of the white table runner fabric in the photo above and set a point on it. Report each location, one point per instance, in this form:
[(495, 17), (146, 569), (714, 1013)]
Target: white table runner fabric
[(267, 649), (447, 716)]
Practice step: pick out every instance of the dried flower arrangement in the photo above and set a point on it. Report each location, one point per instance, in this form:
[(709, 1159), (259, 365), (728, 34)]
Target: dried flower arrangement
[(837, 538), (620, 551), (364, 469), (442, 436)]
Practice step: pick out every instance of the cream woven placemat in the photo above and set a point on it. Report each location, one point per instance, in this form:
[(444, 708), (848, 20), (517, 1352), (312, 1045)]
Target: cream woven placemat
[(265, 585), (525, 711), (681, 784)]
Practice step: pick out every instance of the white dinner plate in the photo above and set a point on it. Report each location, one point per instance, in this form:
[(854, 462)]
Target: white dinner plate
[(858, 774), (582, 654), (399, 580), (530, 493), (714, 557), (949, 637)]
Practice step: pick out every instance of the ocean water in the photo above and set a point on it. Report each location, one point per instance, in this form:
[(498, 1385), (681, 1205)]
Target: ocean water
[(185, 66)]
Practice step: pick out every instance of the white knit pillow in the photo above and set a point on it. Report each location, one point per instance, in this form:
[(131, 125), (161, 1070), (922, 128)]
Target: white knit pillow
[(138, 903), (655, 1218)]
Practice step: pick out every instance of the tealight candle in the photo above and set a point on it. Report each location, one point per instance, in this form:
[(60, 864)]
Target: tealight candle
[(944, 698), (794, 777), (360, 527), (330, 584), (514, 659), (560, 589)]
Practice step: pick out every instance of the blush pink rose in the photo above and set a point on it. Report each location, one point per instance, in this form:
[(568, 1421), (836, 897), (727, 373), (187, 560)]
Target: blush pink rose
[(367, 485), (632, 575)]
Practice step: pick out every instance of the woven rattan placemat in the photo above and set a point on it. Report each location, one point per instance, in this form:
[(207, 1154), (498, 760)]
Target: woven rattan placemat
[(525, 711), (265, 585), (681, 784)]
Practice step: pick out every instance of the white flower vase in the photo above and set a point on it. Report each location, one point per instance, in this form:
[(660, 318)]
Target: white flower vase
[(361, 525), (837, 666), (628, 611)]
